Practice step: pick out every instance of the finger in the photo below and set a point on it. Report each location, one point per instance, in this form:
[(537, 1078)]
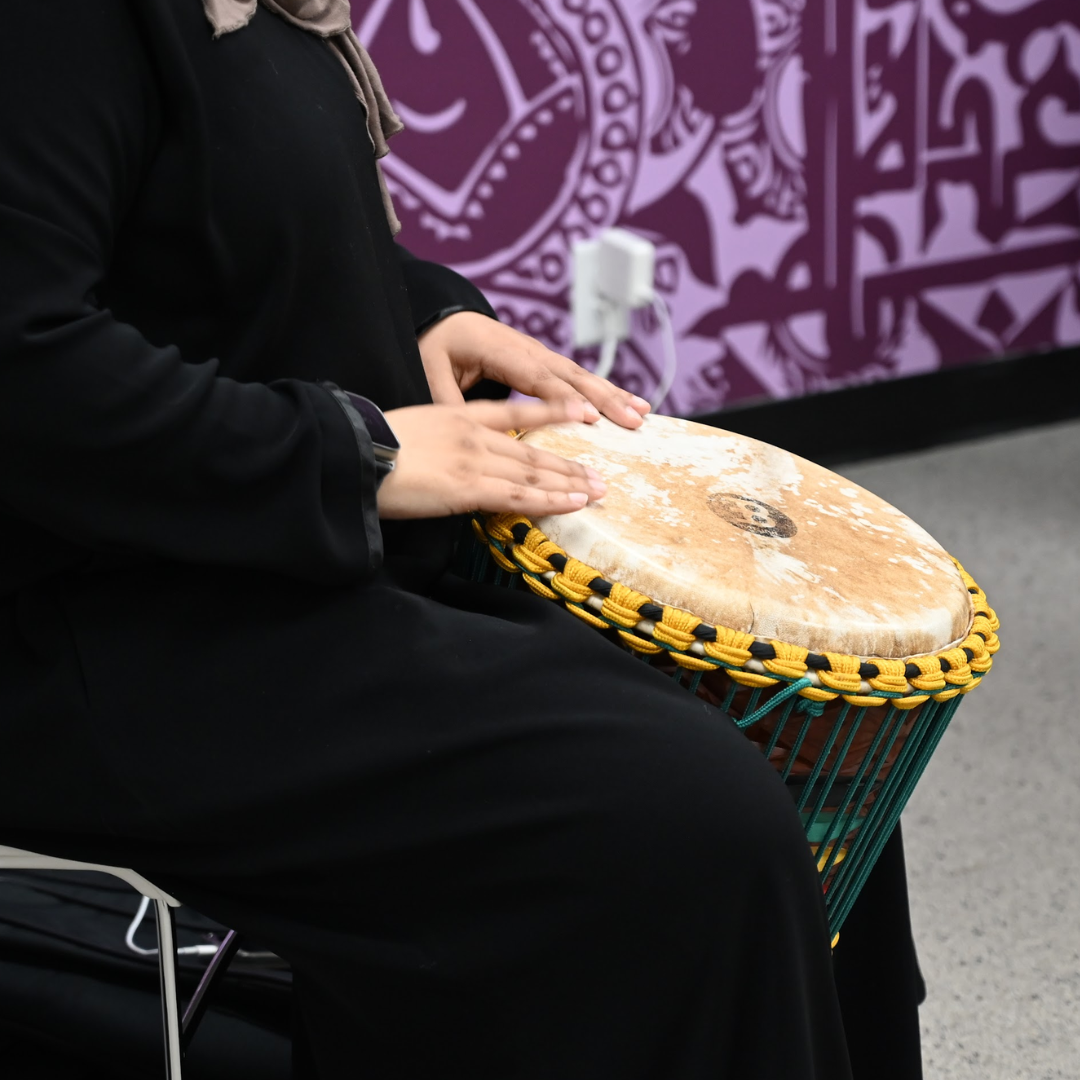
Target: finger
[(442, 382), (557, 378), (549, 386), (618, 405), (508, 415), (497, 496), (535, 458), (496, 467), (534, 467), (533, 369), (592, 386)]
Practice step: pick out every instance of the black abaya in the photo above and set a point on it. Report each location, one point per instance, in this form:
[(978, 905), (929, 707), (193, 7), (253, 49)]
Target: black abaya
[(485, 839)]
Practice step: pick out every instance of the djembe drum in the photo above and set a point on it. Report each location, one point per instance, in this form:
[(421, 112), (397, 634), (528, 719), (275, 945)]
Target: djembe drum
[(835, 631)]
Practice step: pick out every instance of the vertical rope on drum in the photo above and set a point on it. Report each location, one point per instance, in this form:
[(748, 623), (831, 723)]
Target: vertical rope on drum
[(822, 757), (843, 826), (935, 729), (779, 729), (887, 808), (879, 809), (891, 800), (797, 748), (841, 757), (729, 698)]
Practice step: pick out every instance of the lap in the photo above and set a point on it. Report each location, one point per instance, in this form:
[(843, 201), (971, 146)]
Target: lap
[(265, 711), (510, 826)]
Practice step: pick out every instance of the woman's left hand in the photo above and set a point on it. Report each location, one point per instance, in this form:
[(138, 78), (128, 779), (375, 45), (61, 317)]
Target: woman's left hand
[(461, 350)]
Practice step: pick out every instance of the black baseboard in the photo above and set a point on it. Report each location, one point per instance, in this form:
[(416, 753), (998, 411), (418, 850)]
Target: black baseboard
[(916, 413)]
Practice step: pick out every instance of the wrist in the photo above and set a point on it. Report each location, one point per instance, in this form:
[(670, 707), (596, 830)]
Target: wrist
[(362, 412)]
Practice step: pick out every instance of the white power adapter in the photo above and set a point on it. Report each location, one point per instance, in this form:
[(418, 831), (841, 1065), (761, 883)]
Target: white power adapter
[(627, 268), (613, 275)]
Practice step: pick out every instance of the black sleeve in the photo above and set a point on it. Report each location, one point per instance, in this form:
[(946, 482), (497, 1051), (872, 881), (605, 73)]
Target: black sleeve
[(106, 440), (437, 292)]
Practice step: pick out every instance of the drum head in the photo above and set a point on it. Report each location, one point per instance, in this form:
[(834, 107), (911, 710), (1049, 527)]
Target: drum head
[(747, 536)]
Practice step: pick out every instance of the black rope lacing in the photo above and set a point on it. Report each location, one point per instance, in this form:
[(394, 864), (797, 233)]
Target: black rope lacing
[(759, 650)]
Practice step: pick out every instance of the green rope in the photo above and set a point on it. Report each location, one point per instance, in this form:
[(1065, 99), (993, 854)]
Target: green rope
[(792, 690)]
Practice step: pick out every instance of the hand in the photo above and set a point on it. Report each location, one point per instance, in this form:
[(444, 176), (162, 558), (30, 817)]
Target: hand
[(455, 459), (461, 350)]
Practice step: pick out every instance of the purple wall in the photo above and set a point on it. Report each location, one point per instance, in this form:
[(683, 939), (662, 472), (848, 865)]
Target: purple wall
[(841, 190)]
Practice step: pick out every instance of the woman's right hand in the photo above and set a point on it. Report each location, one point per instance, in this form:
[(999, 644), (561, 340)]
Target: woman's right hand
[(456, 459)]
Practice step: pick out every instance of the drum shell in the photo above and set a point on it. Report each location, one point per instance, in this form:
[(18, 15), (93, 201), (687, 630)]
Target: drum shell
[(719, 689), (715, 687)]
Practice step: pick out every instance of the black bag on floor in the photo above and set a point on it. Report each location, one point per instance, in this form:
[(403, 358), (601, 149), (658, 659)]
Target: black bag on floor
[(77, 1002)]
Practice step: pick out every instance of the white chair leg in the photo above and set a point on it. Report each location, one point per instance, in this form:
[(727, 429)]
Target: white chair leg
[(170, 1005)]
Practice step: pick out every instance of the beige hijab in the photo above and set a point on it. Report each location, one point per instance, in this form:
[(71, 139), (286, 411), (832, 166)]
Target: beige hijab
[(332, 20)]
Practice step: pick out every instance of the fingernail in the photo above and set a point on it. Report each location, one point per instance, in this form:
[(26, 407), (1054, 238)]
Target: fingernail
[(592, 414), (578, 498), (592, 474), (575, 410), (633, 414), (640, 402)]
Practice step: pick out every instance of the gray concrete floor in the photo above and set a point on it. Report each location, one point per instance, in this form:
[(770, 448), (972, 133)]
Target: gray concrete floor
[(993, 831)]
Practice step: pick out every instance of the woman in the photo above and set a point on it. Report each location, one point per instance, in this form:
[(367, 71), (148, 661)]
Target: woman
[(231, 655)]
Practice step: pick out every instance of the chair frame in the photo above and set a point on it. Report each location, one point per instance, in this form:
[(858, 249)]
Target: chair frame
[(178, 1030)]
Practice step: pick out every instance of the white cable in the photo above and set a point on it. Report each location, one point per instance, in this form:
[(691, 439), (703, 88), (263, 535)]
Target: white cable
[(129, 937), (187, 950), (609, 353), (671, 352)]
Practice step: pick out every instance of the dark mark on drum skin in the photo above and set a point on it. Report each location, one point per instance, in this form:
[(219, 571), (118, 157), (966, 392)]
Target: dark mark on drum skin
[(752, 515)]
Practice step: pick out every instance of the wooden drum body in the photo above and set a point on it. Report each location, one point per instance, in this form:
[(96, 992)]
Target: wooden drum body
[(833, 629)]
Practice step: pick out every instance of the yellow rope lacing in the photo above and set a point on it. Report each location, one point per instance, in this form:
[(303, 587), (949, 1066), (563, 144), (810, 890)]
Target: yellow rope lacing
[(518, 547)]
